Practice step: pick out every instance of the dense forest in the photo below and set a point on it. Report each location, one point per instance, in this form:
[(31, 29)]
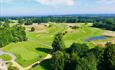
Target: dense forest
[(10, 34), (100, 22), (80, 57)]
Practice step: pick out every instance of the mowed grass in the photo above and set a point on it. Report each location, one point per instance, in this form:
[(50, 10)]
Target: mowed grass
[(5, 57), (80, 34), (38, 44), (26, 52)]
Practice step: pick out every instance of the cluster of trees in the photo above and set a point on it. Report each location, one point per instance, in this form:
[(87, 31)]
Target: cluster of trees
[(10, 34), (108, 24), (101, 22), (80, 57)]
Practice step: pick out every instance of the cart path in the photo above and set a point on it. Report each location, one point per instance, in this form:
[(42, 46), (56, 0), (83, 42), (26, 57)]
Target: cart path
[(49, 56), (10, 54)]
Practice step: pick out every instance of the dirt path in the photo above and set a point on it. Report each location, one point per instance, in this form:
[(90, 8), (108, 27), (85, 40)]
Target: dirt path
[(27, 68), (12, 60), (17, 65), (38, 62)]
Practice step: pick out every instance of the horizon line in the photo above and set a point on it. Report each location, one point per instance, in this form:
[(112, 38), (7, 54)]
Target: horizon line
[(81, 14)]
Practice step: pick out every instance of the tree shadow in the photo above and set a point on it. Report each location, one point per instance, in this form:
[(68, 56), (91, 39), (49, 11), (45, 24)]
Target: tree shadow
[(45, 64), (46, 50)]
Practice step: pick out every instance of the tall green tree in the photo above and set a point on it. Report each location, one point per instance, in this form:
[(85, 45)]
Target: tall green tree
[(58, 43), (80, 49), (57, 61), (32, 29), (88, 62), (109, 57)]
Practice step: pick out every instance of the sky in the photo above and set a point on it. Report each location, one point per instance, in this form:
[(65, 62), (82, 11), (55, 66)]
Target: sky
[(55, 7)]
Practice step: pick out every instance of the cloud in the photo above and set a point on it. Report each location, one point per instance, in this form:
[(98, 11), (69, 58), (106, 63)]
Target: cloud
[(6, 1), (56, 2), (107, 1)]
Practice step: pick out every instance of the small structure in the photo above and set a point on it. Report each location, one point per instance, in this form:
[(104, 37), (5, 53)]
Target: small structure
[(2, 65)]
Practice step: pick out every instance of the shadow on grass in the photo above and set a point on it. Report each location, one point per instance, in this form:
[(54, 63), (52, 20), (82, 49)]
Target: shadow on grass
[(46, 50), (45, 64)]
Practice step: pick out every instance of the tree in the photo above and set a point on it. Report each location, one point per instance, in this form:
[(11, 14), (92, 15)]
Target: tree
[(80, 49), (57, 61), (28, 22), (21, 21), (108, 62), (72, 62), (0, 23), (97, 51), (58, 43), (9, 34), (88, 62), (32, 29)]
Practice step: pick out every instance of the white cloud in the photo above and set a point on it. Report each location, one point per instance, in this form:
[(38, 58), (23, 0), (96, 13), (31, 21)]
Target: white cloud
[(106, 1), (56, 2), (6, 1)]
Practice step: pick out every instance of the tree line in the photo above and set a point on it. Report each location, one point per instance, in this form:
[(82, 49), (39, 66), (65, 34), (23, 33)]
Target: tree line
[(10, 34), (80, 57), (100, 22)]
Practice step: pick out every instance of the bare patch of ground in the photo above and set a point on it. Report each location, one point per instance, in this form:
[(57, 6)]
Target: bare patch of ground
[(39, 28), (108, 33)]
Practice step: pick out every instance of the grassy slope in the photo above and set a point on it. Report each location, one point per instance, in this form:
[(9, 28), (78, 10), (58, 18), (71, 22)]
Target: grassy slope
[(26, 51), (78, 36), (82, 33)]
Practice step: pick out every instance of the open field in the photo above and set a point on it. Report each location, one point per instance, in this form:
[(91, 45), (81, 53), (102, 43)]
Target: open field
[(39, 42)]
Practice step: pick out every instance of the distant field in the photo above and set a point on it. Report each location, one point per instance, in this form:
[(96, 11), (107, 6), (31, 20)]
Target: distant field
[(39, 42)]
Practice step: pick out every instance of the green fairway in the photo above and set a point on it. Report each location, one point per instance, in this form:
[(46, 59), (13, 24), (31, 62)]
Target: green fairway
[(39, 44), (5, 57), (80, 34), (27, 52)]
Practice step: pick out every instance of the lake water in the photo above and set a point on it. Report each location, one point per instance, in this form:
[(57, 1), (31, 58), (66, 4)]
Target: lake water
[(95, 38)]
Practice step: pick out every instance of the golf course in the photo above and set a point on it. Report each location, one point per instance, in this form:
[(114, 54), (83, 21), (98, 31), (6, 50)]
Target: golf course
[(40, 41)]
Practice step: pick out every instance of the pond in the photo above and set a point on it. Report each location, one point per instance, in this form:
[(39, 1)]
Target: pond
[(95, 38)]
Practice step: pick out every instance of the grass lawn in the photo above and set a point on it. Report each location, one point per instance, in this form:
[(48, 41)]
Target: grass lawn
[(5, 57), (27, 52), (81, 34), (38, 44)]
